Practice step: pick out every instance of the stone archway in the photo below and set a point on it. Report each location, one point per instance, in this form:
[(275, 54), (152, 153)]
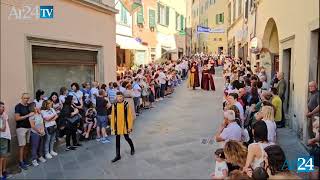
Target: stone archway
[(270, 48)]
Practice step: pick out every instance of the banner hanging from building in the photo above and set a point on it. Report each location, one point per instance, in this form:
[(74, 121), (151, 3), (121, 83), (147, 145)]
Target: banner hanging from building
[(202, 29)]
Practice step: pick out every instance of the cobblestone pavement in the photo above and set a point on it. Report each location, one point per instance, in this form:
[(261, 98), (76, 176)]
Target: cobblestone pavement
[(168, 141)]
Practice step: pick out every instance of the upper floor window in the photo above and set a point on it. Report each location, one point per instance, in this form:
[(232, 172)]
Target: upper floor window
[(140, 18), (178, 24), (152, 18), (239, 7), (123, 15), (229, 13), (246, 9), (163, 14), (220, 18), (234, 10)]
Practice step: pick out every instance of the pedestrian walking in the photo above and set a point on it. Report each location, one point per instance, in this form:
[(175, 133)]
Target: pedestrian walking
[(121, 124)]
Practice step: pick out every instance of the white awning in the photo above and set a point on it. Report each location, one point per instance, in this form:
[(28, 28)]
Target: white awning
[(129, 43), (167, 42)]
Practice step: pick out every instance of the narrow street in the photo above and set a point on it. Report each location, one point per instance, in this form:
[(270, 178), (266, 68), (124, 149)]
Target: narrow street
[(167, 140)]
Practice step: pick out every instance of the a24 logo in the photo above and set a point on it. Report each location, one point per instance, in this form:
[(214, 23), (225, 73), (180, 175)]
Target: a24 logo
[(301, 165), (31, 12)]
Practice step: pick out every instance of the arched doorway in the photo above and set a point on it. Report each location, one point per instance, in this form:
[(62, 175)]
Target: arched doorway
[(270, 48)]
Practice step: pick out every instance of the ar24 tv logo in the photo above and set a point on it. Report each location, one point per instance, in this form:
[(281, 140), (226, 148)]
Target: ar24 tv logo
[(301, 165), (31, 12)]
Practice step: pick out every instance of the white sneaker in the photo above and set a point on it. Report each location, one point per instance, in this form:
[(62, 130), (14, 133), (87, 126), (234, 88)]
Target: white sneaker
[(48, 156), (42, 159), (35, 163), (53, 153)]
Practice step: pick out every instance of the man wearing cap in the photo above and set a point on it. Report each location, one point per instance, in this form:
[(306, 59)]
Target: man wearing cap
[(229, 129)]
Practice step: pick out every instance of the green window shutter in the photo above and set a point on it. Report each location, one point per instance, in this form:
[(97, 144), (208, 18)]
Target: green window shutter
[(217, 18), (159, 13), (167, 15), (125, 20), (222, 18), (121, 13), (182, 22), (152, 18), (140, 16)]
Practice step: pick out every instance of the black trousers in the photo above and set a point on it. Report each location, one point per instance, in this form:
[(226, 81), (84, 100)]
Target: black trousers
[(126, 136), (71, 131)]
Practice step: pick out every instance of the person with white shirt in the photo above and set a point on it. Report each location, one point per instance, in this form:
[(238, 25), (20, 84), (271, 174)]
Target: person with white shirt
[(233, 100), (39, 98), (121, 87), (37, 135), (229, 129), (63, 95), (163, 80), (77, 95), (5, 138), (136, 95), (49, 116), (268, 117), (221, 168), (94, 92), (184, 69)]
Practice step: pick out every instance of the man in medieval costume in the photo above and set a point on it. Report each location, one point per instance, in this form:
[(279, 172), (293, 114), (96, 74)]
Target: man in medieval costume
[(212, 72), (193, 80), (121, 123)]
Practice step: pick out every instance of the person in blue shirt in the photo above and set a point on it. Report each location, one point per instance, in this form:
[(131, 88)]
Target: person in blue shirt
[(112, 92)]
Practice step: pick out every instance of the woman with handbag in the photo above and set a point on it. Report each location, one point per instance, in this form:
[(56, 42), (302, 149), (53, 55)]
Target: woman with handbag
[(71, 117), (49, 116)]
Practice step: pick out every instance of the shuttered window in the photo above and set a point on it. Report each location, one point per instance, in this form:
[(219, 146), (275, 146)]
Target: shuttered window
[(140, 19), (217, 18), (220, 18), (123, 15), (152, 18), (163, 15), (159, 14), (246, 9), (167, 15), (182, 22)]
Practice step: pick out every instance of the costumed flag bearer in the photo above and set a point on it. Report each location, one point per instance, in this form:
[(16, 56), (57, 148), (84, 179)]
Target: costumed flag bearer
[(121, 123)]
